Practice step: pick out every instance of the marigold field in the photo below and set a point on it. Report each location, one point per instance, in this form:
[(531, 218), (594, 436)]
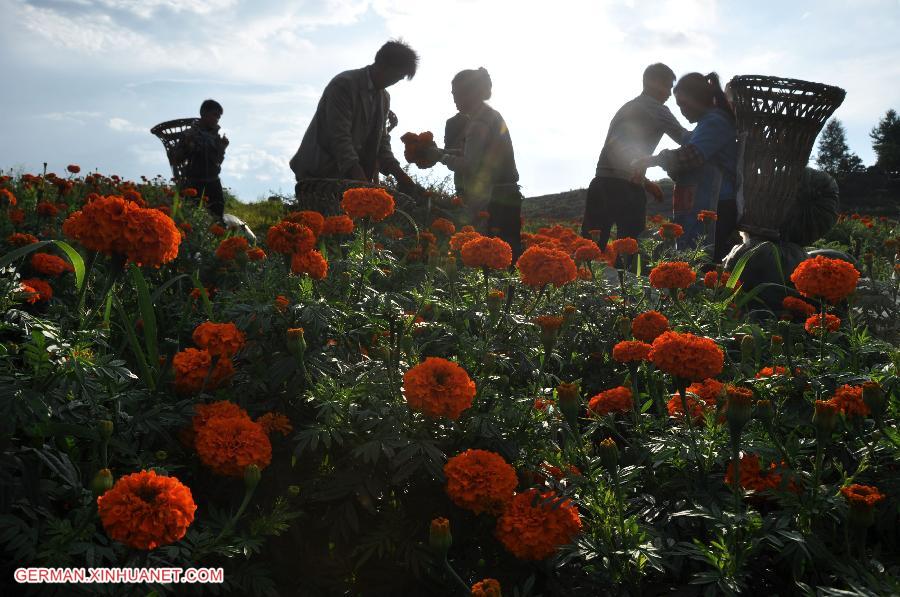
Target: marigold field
[(387, 403)]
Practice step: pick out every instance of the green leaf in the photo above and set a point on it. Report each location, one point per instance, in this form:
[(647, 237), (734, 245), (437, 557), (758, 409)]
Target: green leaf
[(148, 315), (22, 251), (207, 306), (75, 259), (135, 345)]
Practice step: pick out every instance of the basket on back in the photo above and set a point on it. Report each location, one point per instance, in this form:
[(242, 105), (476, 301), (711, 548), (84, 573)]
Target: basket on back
[(170, 133), (779, 120)]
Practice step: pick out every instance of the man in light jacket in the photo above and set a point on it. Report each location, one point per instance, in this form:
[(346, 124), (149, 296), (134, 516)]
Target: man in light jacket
[(347, 137)]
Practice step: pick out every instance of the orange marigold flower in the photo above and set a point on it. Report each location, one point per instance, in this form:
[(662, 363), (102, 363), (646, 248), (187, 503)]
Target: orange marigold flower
[(289, 238), (772, 371), (31, 295), (7, 195), (687, 356), (615, 400), (458, 240), (713, 280), (189, 192), (341, 224), (798, 306), (282, 302), (489, 587), (706, 215), (649, 325), (228, 445), (73, 168), (865, 496), (311, 263), (221, 409), (437, 387), (480, 481), (229, 248), (672, 274), (625, 246), (548, 323), (707, 394), (819, 323), (16, 215), (216, 230), (443, 226), (50, 265), (849, 400), (754, 478), (587, 251), (539, 266), (222, 339), (47, 210), (145, 510), (375, 204), (670, 230), (414, 146), (275, 423), (43, 289), (483, 251), (311, 219), (584, 273), (629, 351), (191, 367), (536, 524), (830, 279), (256, 254)]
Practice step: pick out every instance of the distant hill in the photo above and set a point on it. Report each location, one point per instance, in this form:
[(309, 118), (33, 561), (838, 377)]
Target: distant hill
[(569, 205)]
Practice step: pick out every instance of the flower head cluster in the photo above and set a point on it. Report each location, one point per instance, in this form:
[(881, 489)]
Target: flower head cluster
[(375, 204), (336, 225), (483, 251), (618, 399), (192, 368), (50, 265), (755, 478), (672, 274), (220, 339), (288, 238), (539, 266), (687, 356), (41, 291), (865, 496), (415, 146), (311, 219), (145, 510), (629, 351), (829, 279), (443, 226), (706, 215), (489, 587), (822, 323), (437, 387), (231, 247), (21, 239), (480, 481), (849, 400), (459, 240), (536, 524), (114, 225), (670, 230), (708, 393), (649, 325), (798, 306), (228, 445), (311, 263)]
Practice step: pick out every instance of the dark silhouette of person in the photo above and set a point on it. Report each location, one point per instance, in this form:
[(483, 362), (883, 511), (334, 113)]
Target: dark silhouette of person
[(616, 195), (704, 168), (204, 150), (454, 142), (486, 166), (347, 137)]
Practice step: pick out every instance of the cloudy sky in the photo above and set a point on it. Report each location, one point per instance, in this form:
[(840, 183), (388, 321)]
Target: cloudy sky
[(84, 80)]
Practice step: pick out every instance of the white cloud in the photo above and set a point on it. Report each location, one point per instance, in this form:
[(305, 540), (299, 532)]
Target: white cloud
[(122, 125)]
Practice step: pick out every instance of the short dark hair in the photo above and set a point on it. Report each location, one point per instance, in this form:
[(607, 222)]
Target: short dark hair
[(399, 55), (658, 73), (211, 105)]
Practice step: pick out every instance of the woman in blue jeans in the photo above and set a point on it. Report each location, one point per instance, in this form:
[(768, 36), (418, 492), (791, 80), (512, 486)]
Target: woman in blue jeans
[(704, 167)]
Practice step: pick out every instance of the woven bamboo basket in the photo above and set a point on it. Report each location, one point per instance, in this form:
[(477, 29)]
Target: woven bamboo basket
[(779, 120), (170, 133)]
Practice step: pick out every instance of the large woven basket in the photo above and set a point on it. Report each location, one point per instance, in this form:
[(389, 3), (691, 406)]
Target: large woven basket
[(779, 120), (170, 133)]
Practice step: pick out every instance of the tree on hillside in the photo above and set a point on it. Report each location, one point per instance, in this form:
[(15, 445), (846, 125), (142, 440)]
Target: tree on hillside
[(834, 155), (886, 142)]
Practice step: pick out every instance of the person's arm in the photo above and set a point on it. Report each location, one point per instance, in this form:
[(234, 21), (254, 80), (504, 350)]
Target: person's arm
[(338, 125), (708, 138), (475, 148), (670, 126)]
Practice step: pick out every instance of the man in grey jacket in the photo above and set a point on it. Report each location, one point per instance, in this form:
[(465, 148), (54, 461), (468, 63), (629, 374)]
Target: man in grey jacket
[(347, 137)]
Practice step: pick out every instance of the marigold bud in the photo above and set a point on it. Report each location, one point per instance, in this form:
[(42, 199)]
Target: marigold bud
[(764, 411), (161, 455), (825, 417), (777, 346), (609, 455), (293, 490), (494, 301), (103, 481), (439, 537), (252, 475), (569, 400), (105, 429), (739, 408), (873, 396), (748, 349), (623, 327), (569, 312), (296, 341)]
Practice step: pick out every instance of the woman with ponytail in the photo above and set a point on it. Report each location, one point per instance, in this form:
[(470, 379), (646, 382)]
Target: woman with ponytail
[(704, 167), (485, 166)]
